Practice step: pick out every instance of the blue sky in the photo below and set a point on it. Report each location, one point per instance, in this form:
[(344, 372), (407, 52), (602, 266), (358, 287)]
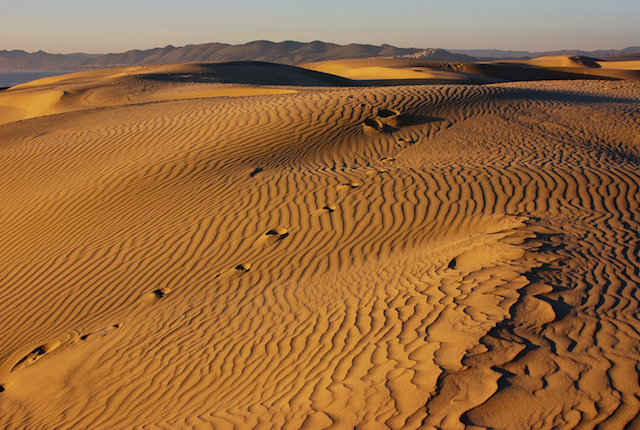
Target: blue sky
[(96, 26)]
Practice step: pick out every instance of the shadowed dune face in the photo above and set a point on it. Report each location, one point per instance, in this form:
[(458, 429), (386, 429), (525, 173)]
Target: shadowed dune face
[(373, 71), (380, 71), (145, 84), (268, 261)]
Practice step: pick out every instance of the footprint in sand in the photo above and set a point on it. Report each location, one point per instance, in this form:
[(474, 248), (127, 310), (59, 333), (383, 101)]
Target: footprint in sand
[(348, 186), (325, 210), (390, 117), (236, 272), (5, 386), (256, 171), (386, 121), (344, 189), (404, 142), (375, 172), (35, 355), (159, 293), (387, 160), (271, 237), (101, 333), (372, 127)]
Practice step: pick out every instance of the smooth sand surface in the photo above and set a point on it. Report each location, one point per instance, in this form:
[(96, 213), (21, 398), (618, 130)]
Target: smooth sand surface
[(582, 66), (404, 257), (383, 71), (580, 62)]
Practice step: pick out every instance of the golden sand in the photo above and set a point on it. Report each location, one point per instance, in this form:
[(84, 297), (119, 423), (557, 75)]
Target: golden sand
[(394, 72), (296, 256)]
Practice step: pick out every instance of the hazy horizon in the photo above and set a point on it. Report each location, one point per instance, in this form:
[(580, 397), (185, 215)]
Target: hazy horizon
[(323, 41), (70, 26)]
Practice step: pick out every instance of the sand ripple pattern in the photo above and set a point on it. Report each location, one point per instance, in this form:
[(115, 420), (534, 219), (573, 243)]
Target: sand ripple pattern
[(270, 262)]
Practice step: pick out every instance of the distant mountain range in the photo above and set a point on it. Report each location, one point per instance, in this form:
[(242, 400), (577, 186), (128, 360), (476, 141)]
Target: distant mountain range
[(630, 53), (288, 52)]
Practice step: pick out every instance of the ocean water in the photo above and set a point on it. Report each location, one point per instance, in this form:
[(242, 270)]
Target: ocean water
[(9, 79)]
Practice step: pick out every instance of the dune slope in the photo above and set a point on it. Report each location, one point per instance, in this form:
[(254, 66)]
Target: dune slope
[(153, 83), (399, 257), (388, 71)]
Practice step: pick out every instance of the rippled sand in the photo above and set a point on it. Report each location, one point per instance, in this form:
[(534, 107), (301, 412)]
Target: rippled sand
[(182, 252)]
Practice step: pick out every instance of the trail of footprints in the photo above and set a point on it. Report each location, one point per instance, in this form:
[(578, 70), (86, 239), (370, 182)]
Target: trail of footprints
[(507, 345), (46, 349), (267, 239), (386, 121), (35, 355)]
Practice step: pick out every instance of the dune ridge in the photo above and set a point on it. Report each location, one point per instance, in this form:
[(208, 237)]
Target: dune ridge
[(268, 261), (386, 71), (155, 83)]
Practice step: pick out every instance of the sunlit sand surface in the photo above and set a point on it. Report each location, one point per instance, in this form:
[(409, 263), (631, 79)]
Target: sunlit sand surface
[(247, 246), (385, 71)]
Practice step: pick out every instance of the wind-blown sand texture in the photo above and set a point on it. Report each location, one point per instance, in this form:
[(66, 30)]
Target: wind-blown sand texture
[(402, 257)]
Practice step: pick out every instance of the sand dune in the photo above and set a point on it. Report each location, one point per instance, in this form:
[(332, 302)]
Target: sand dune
[(376, 71), (585, 66), (145, 84), (623, 65), (405, 257), (563, 61)]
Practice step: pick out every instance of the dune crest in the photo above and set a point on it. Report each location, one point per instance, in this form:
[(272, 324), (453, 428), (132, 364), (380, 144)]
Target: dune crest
[(387, 71), (270, 262), (382, 71), (146, 84)]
